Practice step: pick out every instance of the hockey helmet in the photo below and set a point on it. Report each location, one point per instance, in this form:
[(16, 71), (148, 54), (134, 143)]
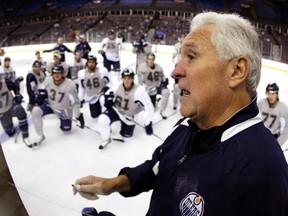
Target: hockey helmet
[(92, 57), (58, 68), (82, 36), (36, 64), (151, 56), (111, 32), (272, 87), (128, 72)]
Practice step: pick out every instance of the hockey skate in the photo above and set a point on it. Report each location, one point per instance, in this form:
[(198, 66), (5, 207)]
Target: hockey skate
[(163, 114), (39, 141), (105, 143), (27, 142)]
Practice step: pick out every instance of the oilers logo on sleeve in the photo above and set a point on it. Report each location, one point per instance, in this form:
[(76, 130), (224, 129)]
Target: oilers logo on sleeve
[(192, 205)]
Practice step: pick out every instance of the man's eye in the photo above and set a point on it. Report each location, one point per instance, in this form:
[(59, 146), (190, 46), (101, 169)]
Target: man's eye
[(190, 57)]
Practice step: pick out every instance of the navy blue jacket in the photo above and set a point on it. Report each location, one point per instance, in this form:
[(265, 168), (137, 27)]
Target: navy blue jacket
[(61, 48), (230, 170), (84, 48)]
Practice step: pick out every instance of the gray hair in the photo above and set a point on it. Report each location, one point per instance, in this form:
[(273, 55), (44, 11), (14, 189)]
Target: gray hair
[(234, 36)]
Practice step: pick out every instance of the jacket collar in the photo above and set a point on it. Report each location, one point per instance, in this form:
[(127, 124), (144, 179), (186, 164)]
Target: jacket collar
[(242, 119)]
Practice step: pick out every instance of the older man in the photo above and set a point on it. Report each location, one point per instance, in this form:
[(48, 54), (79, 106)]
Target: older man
[(222, 160), (61, 48)]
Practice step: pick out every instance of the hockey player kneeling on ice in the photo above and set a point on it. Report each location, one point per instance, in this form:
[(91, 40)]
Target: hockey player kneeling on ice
[(129, 100), (151, 75), (57, 95), (93, 81), (10, 106), (8, 70), (34, 79), (274, 113)]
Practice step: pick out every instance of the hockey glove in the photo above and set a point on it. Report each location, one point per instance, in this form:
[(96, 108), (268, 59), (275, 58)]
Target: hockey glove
[(109, 100), (165, 83), (80, 121), (41, 96), (18, 98), (18, 80), (149, 129), (101, 52)]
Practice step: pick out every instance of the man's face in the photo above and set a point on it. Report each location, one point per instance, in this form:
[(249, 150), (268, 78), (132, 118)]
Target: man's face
[(150, 62), (127, 82), (111, 36), (7, 63), (272, 97), (203, 77), (60, 40), (91, 64), (77, 56), (80, 39), (38, 56), (36, 70), (58, 77)]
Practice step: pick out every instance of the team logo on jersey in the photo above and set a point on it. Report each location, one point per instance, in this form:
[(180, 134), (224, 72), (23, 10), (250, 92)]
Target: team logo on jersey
[(192, 205)]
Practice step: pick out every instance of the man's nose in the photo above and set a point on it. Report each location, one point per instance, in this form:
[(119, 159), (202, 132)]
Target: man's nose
[(178, 71)]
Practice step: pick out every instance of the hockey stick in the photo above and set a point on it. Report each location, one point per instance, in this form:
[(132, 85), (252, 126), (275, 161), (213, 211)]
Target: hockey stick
[(104, 146), (85, 126), (173, 113), (159, 121), (152, 133)]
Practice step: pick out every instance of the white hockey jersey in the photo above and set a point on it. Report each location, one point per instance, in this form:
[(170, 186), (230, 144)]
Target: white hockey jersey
[(63, 97), (151, 78), (275, 119), (75, 67), (129, 103), (112, 48), (6, 98), (9, 73), (92, 83)]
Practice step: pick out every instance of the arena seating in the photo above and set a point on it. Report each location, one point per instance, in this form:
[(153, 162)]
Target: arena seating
[(41, 21)]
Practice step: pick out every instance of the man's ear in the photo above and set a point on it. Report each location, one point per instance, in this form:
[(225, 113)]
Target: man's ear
[(240, 68)]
